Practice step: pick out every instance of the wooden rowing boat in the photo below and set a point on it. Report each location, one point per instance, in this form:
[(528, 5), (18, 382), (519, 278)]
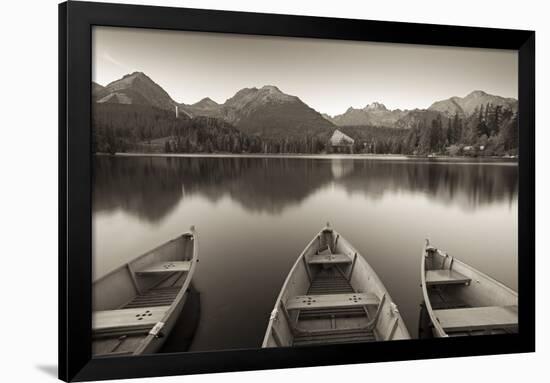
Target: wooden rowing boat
[(136, 305), (332, 295), (460, 300)]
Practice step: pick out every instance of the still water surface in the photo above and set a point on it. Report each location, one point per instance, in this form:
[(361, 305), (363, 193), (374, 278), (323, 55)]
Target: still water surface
[(255, 215)]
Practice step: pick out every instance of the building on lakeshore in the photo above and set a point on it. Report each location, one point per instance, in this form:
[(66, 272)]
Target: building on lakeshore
[(341, 143)]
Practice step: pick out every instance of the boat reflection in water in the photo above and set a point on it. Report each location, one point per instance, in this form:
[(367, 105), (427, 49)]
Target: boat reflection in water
[(182, 335)]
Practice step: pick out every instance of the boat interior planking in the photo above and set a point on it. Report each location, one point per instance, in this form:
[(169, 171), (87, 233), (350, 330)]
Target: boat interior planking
[(136, 305), (332, 295), (460, 300)]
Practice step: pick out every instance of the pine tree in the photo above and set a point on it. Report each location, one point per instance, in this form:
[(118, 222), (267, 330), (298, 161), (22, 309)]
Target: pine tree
[(480, 118), (481, 129), (450, 132), (496, 120), (488, 111), (457, 129), (209, 148), (509, 134)]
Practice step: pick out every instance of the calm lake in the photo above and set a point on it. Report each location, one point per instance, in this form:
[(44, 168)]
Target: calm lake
[(255, 215)]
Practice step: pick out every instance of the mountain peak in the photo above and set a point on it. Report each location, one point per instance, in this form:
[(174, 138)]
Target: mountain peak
[(374, 114), (206, 102), (271, 89), (136, 88), (468, 105), (128, 79), (135, 75), (375, 106), (272, 113), (477, 93), (267, 93)]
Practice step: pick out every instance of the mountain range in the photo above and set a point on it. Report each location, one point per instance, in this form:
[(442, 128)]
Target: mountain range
[(466, 106), (376, 114), (265, 111), (270, 113)]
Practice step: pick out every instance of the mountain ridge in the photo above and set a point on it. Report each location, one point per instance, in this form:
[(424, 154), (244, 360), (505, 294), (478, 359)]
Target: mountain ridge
[(374, 113), (377, 114), (270, 113), (466, 106), (138, 89)]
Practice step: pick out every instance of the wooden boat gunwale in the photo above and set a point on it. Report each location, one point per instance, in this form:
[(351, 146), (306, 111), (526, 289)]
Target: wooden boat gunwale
[(179, 300), (148, 252), (285, 285), (385, 295), (437, 326)]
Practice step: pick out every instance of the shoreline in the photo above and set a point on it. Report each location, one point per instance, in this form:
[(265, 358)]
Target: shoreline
[(395, 157)]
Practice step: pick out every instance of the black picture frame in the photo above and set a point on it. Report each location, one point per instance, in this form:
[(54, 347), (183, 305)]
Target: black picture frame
[(75, 181)]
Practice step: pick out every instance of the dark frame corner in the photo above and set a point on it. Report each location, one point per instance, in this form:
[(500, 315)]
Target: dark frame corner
[(75, 22)]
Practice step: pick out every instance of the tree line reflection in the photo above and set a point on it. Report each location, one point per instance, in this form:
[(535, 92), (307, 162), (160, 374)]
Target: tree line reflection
[(151, 187)]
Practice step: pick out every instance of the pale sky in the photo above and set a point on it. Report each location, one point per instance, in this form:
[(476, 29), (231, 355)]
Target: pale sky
[(328, 75)]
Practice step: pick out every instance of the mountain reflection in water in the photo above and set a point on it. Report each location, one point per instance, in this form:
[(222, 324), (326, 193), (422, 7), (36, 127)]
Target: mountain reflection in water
[(150, 187)]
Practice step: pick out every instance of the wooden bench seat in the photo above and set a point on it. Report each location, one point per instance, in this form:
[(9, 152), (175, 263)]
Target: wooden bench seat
[(125, 319), (166, 267), (314, 302), (445, 277), (478, 318), (323, 259)]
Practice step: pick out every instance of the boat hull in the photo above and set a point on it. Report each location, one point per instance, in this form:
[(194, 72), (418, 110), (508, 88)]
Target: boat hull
[(136, 306), (460, 300), (348, 302)]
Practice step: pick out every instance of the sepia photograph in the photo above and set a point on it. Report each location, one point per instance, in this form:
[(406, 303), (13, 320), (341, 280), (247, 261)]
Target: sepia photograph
[(260, 191)]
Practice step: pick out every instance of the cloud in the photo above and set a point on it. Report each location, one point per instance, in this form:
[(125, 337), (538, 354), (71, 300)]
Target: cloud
[(107, 57)]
